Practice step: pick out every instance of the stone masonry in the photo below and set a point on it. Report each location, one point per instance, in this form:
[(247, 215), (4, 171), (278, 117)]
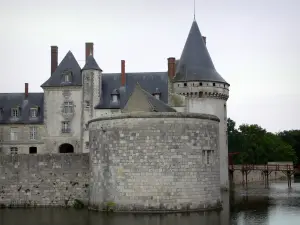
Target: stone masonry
[(43, 180), (154, 162)]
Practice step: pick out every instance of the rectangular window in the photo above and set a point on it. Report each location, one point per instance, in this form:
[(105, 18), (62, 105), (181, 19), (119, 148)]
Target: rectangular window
[(87, 104), (33, 113), (68, 107), (15, 112), (87, 144), (14, 150), (67, 78), (65, 127), (13, 134), (32, 133), (208, 157)]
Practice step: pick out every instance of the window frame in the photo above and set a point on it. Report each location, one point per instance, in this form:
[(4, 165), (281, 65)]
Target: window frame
[(68, 107), (65, 127), (32, 133)]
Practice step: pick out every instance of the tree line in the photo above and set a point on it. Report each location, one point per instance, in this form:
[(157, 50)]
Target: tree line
[(256, 145)]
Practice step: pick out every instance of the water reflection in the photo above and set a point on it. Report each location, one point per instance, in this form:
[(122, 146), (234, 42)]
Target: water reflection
[(255, 206)]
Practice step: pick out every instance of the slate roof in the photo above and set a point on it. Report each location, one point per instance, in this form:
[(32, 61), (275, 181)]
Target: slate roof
[(149, 81), (195, 63), (157, 105), (68, 64), (18, 100), (91, 64)]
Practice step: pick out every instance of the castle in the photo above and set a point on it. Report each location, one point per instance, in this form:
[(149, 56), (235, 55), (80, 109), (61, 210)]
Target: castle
[(56, 120)]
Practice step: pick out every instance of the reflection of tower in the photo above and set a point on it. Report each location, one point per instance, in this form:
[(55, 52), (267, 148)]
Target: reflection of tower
[(225, 213)]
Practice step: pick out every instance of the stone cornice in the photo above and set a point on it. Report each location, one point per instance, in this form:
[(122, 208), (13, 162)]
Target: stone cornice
[(138, 115)]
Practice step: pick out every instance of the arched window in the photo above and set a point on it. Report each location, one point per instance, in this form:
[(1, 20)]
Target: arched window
[(66, 148)]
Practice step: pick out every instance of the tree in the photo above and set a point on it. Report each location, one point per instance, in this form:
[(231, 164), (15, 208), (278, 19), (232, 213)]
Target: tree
[(257, 146), (292, 137)]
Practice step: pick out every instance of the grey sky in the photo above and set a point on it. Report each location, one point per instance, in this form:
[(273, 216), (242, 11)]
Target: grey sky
[(254, 45)]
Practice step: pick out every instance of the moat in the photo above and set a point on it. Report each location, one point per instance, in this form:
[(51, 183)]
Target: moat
[(255, 206)]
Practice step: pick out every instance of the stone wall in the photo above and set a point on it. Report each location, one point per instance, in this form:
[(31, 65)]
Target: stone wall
[(154, 161), (43, 180)]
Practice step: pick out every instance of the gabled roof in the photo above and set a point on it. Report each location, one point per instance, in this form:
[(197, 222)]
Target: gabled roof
[(149, 81), (195, 63), (91, 64), (8, 101), (141, 100), (68, 65)]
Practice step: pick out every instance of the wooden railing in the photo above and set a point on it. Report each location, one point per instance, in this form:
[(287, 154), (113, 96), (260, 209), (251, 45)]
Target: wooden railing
[(277, 167)]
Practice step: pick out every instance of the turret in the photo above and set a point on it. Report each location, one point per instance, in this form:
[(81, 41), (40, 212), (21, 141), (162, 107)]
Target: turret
[(205, 90)]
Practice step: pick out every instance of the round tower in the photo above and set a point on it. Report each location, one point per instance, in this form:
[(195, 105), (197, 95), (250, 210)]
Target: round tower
[(205, 90)]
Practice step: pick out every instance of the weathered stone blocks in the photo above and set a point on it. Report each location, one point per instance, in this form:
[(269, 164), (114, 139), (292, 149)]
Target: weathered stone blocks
[(154, 162), (43, 180)]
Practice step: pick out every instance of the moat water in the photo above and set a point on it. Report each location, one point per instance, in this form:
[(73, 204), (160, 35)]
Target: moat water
[(277, 205)]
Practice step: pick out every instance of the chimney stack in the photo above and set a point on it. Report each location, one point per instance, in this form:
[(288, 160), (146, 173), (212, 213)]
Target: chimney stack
[(204, 39), (26, 90), (54, 58), (171, 67), (89, 49), (123, 76)]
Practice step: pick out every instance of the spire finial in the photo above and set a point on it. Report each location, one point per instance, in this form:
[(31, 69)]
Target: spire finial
[(194, 9)]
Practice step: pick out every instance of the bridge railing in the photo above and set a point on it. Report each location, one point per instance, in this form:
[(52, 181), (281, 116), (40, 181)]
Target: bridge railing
[(276, 167)]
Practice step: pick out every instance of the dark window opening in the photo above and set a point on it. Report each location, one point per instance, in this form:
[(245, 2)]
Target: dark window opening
[(200, 84), (32, 150), (66, 148), (200, 94), (214, 84), (185, 84)]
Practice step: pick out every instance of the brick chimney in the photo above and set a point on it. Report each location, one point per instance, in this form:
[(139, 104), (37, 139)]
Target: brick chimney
[(123, 75), (204, 39), (89, 49), (54, 57), (171, 67), (26, 90)]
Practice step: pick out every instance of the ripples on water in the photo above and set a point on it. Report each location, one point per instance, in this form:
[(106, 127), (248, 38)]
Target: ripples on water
[(256, 206)]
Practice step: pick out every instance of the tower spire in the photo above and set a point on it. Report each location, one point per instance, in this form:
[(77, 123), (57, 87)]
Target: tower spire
[(194, 9)]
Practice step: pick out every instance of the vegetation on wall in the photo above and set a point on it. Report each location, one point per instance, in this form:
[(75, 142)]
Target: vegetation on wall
[(256, 145)]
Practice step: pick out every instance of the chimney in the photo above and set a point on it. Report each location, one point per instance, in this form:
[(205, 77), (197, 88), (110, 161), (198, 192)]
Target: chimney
[(171, 67), (123, 76), (54, 57), (26, 90), (89, 49), (204, 39)]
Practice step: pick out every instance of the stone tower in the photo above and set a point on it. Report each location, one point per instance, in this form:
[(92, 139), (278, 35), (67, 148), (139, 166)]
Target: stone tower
[(92, 82), (205, 90)]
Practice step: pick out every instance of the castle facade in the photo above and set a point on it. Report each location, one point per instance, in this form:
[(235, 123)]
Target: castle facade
[(55, 121)]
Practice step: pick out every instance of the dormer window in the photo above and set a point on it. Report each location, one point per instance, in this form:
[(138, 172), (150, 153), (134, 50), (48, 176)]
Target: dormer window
[(67, 77), (33, 112), (115, 96), (15, 112), (157, 94)]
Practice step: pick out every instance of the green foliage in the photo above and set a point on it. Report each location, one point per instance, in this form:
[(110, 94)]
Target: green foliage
[(292, 137), (257, 146)]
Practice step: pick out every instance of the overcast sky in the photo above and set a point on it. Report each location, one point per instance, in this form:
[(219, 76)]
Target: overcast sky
[(255, 45)]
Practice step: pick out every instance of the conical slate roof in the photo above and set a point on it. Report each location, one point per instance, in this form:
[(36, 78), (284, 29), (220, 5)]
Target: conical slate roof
[(195, 63), (91, 64)]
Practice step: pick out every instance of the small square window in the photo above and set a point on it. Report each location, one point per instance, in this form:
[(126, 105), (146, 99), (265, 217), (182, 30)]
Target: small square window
[(32, 150), (87, 144), (14, 150), (185, 84), (33, 113), (87, 104), (68, 107)]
